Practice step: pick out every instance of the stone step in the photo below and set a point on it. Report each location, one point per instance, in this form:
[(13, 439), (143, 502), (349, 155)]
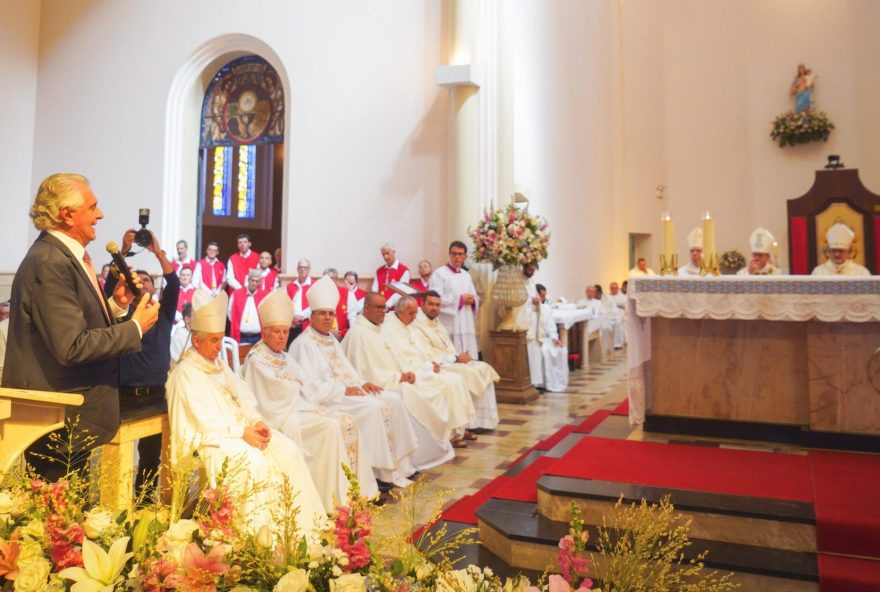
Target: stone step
[(758, 522), (522, 538)]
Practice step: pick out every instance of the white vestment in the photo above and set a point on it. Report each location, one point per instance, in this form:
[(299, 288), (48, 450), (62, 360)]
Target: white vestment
[(529, 315), (602, 323), (619, 300), (689, 270), (479, 377), (209, 408), (636, 272), (615, 318), (459, 319), (384, 424), (849, 268), (180, 341), (435, 406), (554, 357), (768, 269), (329, 438)]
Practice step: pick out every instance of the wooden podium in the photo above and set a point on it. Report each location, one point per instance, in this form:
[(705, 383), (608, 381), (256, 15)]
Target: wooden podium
[(26, 416), (508, 355)]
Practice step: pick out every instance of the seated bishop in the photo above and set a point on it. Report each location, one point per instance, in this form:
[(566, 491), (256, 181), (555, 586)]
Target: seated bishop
[(214, 414), (384, 350), (840, 239), (695, 253), (329, 438), (761, 242), (479, 377), (384, 423)]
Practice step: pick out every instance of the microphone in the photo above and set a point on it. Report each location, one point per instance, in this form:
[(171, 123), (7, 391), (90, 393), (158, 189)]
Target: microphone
[(113, 248)]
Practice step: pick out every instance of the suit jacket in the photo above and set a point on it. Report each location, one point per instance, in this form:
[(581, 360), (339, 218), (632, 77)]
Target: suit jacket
[(63, 340)]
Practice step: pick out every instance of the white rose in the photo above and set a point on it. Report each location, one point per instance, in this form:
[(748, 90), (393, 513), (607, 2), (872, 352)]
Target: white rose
[(33, 575), (349, 583), (97, 521), (178, 536), (296, 580), (7, 502), (35, 530)]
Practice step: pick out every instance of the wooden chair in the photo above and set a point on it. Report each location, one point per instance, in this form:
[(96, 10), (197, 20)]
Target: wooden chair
[(836, 196)]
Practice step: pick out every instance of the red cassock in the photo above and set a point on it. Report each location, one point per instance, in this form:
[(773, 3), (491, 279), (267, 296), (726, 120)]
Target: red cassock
[(239, 299), (177, 265), (212, 273), (293, 292), (242, 265), (267, 284), (342, 311), (185, 297), (419, 285), (385, 276)]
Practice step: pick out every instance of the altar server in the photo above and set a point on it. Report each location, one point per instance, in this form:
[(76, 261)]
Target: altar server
[(393, 271), (213, 413), (284, 395), (761, 242), (840, 239), (458, 300), (554, 353), (695, 253), (382, 418)]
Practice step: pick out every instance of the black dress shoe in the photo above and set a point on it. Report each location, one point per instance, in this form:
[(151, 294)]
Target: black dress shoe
[(481, 431), (414, 476), (384, 486)]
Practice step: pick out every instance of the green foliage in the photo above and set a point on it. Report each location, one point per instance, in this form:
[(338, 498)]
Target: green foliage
[(801, 128)]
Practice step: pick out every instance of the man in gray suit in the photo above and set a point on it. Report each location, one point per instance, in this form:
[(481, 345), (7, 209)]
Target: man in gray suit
[(67, 336)]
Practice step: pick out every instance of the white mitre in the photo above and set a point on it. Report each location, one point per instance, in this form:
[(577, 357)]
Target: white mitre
[(695, 238), (209, 311), (761, 240), (840, 236), (276, 309), (323, 295)]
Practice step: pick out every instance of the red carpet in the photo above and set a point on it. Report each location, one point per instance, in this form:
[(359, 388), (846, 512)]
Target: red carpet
[(718, 470), (592, 422), (622, 409), (847, 490), (463, 510), (555, 438), (845, 574), (523, 486)]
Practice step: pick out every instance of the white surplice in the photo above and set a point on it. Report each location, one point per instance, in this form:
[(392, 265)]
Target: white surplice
[(689, 270), (329, 437), (209, 408), (479, 377), (554, 357), (180, 341), (458, 318), (529, 317), (385, 425), (615, 318), (849, 268)]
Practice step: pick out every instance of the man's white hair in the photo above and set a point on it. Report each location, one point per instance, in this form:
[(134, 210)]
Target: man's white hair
[(61, 190), (387, 246), (305, 262), (405, 303)]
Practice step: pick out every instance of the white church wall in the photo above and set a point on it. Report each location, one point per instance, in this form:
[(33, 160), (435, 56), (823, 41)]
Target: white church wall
[(702, 83), (366, 135), (566, 130), (19, 42)]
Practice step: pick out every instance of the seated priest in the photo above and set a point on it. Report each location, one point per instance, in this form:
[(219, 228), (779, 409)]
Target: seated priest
[(695, 253), (440, 408), (213, 413), (614, 316), (761, 242), (400, 334), (617, 296), (641, 268), (840, 239), (479, 377), (329, 438), (598, 321), (553, 360), (333, 383)]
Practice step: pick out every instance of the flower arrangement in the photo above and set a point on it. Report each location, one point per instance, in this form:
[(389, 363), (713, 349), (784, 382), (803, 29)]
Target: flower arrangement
[(510, 236), (733, 260), (792, 128)]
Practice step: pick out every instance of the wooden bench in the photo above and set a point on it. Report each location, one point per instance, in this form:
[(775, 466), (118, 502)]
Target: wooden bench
[(117, 456)]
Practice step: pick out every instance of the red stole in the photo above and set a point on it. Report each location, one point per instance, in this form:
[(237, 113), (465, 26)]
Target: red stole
[(242, 265), (293, 292), (185, 297), (342, 311), (419, 285), (212, 273), (239, 299), (385, 276), (177, 265)]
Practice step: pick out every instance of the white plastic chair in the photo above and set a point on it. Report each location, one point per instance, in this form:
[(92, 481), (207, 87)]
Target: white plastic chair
[(230, 353)]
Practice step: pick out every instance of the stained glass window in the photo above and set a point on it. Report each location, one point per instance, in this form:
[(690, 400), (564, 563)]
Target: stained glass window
[(247, 166), (222, 181)]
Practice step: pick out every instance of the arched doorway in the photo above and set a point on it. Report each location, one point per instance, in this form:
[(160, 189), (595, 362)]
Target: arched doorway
[(241, 157)]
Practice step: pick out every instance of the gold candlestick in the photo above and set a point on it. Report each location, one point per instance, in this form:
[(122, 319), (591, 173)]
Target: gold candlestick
[(669, 264), (709, 265)]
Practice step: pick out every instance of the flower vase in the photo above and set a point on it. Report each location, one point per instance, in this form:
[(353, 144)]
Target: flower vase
[(508, 294)]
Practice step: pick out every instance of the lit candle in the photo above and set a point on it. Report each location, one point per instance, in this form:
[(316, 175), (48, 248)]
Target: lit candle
[(668, 235), (708, 236)]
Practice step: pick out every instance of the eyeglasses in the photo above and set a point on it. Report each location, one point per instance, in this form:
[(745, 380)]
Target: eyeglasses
[(457, 254)]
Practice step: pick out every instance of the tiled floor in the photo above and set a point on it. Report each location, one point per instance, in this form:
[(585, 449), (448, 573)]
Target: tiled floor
[(600, 386)]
